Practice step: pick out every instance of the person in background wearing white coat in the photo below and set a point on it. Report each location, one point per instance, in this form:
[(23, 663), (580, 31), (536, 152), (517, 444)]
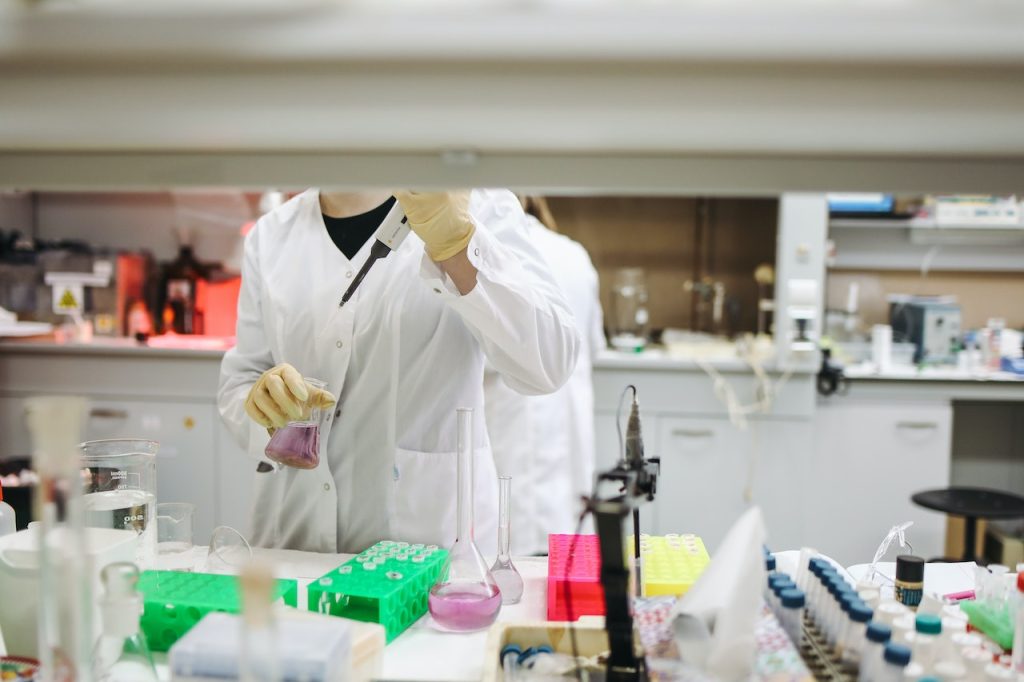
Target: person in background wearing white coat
[(546, 443), (401, 355)]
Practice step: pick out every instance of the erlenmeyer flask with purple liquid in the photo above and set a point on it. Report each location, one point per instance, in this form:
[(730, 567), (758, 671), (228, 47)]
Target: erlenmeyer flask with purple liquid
[(466, 598), (297, 444)]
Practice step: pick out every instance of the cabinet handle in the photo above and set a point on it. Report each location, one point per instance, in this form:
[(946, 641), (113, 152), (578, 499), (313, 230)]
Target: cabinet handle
[(919, 426), (107, 413), (693, 433)]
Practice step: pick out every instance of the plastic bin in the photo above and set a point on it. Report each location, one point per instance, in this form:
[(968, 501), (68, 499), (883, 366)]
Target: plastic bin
[(19, 581)]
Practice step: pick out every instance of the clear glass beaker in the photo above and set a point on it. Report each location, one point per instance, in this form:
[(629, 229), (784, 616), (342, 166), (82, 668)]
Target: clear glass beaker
[(466, 597), (630, 319), (229, 551), (504, 571), (174, 524), (297, 445), (120, 490)]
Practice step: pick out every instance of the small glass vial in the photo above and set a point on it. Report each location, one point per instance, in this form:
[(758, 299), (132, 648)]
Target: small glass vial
[(909, 580), (792, 615), (876, 636), (894, 660), (835, 635)]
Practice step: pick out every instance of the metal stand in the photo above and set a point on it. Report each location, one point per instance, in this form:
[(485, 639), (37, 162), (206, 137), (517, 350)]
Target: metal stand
[(638, 481)]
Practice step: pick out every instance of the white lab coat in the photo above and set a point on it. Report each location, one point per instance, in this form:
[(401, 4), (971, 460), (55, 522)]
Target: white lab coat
[(401, 355), (546, 443)]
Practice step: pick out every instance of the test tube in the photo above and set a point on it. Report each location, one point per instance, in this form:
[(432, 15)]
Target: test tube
[(793, 601), (894, 660), (927, 630), (856, 630), (876, 636)]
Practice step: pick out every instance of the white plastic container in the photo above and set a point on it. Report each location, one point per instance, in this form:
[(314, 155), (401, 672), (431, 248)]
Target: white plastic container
[(19, 580)]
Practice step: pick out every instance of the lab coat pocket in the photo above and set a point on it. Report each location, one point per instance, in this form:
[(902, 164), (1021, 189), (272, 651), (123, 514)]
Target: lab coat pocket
[(424, 497)]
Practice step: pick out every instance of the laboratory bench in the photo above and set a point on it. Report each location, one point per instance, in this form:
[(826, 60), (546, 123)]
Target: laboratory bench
[(813, 464)]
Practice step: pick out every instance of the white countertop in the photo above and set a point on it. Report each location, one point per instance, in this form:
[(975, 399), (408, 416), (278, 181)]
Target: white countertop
[(109, 345), (914, 373)]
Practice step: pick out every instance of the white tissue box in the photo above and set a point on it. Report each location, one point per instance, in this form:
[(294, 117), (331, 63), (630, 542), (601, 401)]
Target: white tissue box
[(310, 650)]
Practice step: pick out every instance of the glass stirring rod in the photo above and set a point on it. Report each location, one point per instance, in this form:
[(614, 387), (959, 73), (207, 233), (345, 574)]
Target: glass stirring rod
[(390, 235)]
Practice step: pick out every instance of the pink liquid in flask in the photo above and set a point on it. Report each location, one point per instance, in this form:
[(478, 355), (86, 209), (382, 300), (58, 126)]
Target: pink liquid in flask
[(464, 607), (296, 445)]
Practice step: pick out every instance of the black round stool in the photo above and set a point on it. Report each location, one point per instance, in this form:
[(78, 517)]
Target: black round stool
[(972, 504)]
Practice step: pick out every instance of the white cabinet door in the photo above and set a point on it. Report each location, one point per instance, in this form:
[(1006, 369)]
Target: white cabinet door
[(186, 470), (868, 460), (704, 467), (236, 479), (780, 451)]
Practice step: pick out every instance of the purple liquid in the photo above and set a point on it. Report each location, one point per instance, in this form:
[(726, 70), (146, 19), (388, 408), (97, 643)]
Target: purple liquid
[(464, 608), (296, 445)]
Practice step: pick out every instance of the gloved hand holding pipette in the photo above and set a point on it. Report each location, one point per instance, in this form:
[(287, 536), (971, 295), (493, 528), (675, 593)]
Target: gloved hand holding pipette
[(280, 395), (440, 219)]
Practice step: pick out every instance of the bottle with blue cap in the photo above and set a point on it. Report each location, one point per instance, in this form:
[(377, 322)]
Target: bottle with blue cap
[(895, 659), (792, 616), (876, 636), (854, 636), (847, 598)]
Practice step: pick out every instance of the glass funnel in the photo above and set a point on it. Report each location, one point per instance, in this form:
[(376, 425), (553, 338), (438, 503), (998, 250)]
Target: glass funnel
[(120, 490), (504, 571), (466, 597), (297, 445)]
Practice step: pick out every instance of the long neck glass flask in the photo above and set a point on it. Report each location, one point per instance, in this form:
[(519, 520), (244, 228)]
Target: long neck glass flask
[(509, 581), (467, 597)]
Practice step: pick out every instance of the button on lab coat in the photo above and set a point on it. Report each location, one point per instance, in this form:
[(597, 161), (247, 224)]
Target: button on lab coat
[(402, 355), (546, 443)]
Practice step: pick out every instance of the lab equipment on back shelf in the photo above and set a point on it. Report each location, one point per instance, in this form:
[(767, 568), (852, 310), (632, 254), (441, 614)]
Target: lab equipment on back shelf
[(932, 324), (505, 573), (466, 597), (298, 443), (120, 489), (630, 320), (121, 653)]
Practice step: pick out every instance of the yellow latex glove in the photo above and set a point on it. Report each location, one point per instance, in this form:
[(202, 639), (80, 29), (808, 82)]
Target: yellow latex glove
[(441, 219), (282, 395)]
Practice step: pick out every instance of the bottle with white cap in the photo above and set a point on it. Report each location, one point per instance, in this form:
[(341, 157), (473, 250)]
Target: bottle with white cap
[(876, 636), (895, 659), (975, 661), (1018, 628), (121, 654), (994, 671), (950, 671)]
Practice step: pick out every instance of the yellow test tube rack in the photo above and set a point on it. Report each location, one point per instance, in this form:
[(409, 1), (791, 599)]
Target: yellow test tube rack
[(671, 564)]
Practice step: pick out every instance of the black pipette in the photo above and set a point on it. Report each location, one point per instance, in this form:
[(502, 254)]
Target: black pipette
[(390, 235)]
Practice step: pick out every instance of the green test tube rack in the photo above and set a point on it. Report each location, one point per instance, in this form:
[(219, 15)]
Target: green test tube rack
[(388, 584), (174, 602)]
